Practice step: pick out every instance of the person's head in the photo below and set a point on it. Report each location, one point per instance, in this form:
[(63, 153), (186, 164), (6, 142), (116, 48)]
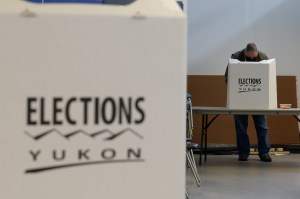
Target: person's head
[(251, 51)]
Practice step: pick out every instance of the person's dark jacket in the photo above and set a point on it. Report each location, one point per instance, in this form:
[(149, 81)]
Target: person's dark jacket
[(241, 57)]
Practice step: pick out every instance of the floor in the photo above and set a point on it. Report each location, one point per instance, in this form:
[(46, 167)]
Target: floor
[(222, 176)]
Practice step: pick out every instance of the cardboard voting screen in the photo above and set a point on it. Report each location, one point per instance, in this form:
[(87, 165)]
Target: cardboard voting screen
[(85, 101), (252, 85)]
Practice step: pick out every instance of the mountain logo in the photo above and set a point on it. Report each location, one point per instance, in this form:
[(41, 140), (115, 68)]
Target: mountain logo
[(70, 158), (111, 135)]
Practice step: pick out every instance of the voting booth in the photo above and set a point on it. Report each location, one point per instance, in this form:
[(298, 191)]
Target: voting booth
[(252, 85), (85, 100)]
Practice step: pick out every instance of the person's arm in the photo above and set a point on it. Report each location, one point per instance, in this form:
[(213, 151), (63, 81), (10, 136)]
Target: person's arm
[(263, 56), (266, 57), (226, 74), (233, 56)]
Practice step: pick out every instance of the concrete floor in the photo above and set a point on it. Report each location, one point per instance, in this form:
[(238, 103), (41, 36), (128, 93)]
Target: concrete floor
[(223, 177)]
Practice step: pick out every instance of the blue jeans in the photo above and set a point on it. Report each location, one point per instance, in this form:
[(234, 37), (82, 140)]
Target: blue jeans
[(243, 144)]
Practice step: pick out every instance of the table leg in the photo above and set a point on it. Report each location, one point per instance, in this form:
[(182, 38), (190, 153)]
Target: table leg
[(296, 117), (204, 128), (205, 136), (202, 139)]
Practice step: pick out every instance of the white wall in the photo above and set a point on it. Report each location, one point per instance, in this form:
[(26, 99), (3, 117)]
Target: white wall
[(217, 28)]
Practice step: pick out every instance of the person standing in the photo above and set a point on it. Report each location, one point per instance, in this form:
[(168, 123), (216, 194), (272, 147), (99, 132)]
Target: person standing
[(251, 54)]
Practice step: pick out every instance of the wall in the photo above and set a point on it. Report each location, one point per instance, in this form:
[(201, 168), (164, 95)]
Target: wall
[(217, 28)]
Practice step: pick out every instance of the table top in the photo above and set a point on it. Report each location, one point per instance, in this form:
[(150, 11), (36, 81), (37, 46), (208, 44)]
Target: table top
[(227, 111)]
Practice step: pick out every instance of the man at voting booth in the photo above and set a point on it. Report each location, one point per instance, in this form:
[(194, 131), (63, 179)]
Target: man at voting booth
[(251, 54)]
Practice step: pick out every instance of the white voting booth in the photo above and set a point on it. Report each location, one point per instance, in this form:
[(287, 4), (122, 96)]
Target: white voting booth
[(252, 85), (92, 100)]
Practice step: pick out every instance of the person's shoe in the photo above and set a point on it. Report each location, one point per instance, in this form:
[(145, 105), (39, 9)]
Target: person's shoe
[(243, 157), (265, 158)]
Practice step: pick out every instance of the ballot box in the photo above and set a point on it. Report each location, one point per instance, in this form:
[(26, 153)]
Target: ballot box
[(85, 100), (252, 85)]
